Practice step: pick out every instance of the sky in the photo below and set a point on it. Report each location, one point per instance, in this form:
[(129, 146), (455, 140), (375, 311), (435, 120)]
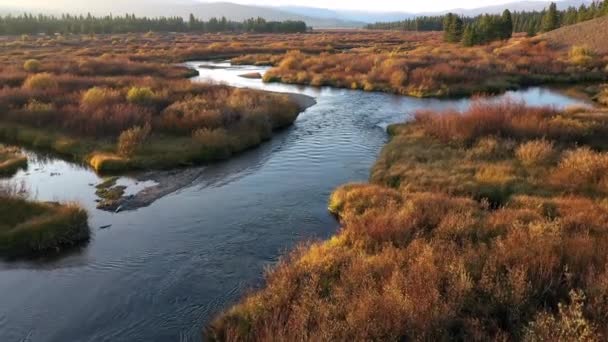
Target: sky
[(382, 5), (411, 6)]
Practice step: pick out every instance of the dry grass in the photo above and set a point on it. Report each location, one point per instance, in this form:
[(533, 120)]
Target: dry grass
[(593, 33)]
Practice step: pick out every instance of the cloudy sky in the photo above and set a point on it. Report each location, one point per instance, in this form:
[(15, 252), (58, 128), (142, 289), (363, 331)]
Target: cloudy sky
[(368, 5), (382, 5)]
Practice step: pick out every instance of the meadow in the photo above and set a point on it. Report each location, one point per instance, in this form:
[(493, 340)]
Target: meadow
[(423, 65), (488, 224), (86, 100), (122, 102)]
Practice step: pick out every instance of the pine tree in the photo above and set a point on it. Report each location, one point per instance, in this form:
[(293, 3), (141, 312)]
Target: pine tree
[(550, 19), (507, 25), (452, 28), (469, 37)]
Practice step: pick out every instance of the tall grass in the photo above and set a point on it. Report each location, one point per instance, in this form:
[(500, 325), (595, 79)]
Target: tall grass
[(30, 228)]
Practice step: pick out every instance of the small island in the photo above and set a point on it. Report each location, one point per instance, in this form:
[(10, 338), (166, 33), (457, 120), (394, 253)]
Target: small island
[(30, 228)]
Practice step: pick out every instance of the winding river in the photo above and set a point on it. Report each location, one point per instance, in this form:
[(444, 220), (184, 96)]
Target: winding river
[(161, 272)]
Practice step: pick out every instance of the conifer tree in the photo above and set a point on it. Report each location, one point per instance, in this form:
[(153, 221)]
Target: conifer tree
[(550, 19), (507, 25), (452, 28)]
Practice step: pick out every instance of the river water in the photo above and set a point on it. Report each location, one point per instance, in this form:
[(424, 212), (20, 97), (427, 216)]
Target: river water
[(161, 272)]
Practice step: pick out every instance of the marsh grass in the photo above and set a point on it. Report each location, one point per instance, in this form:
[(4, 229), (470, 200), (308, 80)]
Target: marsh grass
[(31, 229), (11, 160)]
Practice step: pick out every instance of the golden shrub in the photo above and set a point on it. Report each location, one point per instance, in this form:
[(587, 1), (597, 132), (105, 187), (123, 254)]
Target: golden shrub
[(132, 139), (535, 152), (141, 95), (569, 324), (583, 169), (42, 81), (32, 65), (581, 55), (98, 96)]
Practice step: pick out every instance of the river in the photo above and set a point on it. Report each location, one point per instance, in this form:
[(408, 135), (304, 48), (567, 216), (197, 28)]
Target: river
[(161, 272)]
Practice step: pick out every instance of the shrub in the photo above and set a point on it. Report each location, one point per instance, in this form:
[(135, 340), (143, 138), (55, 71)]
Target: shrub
[(191, 114), (131, 140), (491, 148), (142, 96), (97, 97), (35, 106), (570, 324), (603, 96), (352, 199), (31, 65), (506, 119), (582, 169), (581, 55), (536, 152), (108, 163), (42, 81), (214, 143)]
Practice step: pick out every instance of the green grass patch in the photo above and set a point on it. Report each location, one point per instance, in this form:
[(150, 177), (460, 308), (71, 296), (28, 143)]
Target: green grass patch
[(31, 228)]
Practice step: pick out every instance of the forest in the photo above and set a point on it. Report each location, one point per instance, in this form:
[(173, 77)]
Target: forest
[(79, 24), (529, 22)]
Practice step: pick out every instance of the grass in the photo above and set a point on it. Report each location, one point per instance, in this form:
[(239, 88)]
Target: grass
[(30, 229), (11, 161), (486, 225)]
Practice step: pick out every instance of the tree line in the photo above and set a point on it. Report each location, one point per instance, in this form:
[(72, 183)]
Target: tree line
[(80, 24), (530, 22)]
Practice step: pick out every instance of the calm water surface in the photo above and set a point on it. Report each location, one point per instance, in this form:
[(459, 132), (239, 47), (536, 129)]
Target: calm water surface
[(160, 273)]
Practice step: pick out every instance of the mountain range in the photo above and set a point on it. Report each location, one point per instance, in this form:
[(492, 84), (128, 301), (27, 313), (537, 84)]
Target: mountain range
[(315, 17)]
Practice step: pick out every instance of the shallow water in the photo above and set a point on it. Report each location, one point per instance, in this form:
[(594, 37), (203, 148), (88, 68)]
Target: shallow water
[(160, 273)]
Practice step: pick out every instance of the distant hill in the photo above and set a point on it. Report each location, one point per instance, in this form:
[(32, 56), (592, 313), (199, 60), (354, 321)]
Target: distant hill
[(350, 15), (592, 33), (518, 6), (373, 17), (313, 16), (156, 8)]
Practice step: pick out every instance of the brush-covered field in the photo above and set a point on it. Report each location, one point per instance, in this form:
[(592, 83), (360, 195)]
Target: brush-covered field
[(485, 225), (425, 66), (96, 99)]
